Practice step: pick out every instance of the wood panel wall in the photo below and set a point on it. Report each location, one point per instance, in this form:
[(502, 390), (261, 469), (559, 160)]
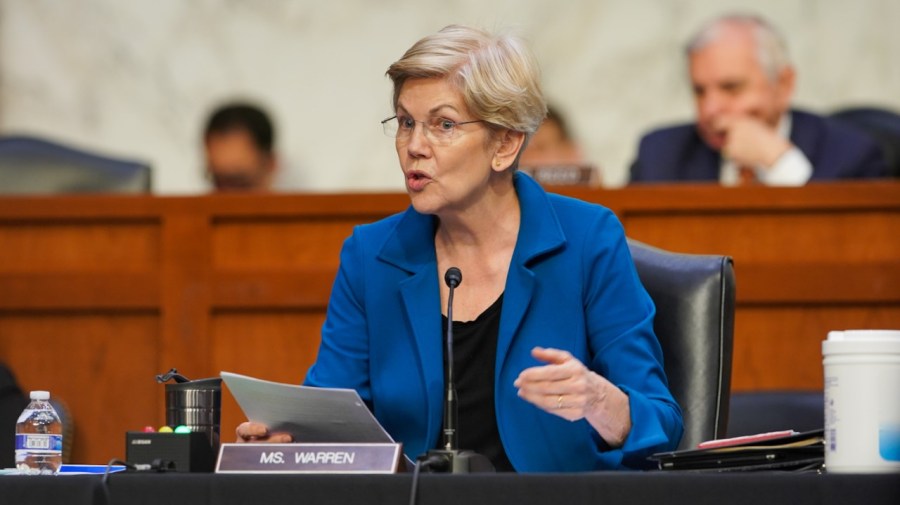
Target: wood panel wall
[(98, 294)]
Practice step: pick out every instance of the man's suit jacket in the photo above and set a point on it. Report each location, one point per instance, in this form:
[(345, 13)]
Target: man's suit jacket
[(835, 151), (571, 285)]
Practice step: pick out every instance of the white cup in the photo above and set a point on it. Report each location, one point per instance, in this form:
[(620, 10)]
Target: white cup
[(862, 401)]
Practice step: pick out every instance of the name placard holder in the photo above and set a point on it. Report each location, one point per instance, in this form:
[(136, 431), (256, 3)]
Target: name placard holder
[(562, 174), (309, 458)]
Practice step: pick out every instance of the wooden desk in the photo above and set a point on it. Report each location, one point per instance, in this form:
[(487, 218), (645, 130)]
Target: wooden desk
[(98, 294)]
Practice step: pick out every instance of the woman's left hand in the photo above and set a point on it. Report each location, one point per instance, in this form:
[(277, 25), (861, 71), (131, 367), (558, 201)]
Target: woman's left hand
[(568, 389)]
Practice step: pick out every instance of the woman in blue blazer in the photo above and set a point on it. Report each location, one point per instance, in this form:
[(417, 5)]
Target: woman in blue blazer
[(556, 363)]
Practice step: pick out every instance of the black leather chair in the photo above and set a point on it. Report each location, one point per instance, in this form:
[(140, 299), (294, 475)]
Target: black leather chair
[(30, 165), (753, 412), (882, 124), (694, 297)]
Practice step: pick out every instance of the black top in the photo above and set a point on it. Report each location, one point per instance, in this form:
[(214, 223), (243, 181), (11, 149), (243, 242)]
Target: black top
[(474, 353)]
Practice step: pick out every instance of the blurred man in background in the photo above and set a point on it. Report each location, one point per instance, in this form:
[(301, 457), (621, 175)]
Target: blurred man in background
[(239, 142), (745, 130)]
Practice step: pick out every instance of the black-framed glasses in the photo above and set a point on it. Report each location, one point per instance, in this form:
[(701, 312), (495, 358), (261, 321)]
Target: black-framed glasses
[(439, 130)]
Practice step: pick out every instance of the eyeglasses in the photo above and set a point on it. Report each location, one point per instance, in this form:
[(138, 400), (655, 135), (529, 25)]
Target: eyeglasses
[(437, 129)]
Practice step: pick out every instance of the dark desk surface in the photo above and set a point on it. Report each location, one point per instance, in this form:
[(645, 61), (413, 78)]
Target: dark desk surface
[(595, 488)]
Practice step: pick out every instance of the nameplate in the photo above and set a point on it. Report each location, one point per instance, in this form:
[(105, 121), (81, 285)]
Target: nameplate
[(562, 175), (309, 458)]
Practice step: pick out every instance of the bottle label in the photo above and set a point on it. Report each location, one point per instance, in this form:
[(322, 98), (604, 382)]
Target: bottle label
[(33, 442)]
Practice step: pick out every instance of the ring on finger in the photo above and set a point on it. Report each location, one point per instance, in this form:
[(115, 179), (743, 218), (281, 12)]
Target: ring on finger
[(559, 402)]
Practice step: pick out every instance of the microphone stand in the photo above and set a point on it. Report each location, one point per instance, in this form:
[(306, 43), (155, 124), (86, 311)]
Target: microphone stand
[(450, 459)]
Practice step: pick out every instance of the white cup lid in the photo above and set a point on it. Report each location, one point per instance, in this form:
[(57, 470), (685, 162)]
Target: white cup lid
[(868, 335)]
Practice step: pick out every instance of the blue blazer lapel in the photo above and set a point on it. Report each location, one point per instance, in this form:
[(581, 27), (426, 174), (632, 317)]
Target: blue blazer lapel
[(516, 300), (411, 249), (539, 233), (420, 297)]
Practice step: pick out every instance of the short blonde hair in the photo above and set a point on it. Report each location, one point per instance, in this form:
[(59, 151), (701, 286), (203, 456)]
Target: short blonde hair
[(497, 75)]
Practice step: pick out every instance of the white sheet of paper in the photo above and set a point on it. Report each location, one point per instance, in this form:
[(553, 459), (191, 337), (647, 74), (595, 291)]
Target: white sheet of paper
[(309, 414)]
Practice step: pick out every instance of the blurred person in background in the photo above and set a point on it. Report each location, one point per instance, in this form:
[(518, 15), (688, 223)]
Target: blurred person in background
[(553, 157), (239, 143), (745, 130)]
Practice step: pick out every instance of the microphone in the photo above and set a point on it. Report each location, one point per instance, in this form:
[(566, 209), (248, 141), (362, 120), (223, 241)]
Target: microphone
[(453, 277), (450, 459)]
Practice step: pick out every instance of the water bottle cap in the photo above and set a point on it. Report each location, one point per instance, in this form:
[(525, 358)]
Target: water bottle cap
[(40, 395)]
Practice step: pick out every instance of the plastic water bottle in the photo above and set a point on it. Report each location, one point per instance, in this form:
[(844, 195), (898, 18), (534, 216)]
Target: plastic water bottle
[(39, 437)]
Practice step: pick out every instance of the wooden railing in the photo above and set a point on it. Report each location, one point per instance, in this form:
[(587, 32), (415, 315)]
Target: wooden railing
[(98, 294)]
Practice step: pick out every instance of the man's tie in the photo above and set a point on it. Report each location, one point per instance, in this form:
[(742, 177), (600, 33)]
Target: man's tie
[(746, 176)]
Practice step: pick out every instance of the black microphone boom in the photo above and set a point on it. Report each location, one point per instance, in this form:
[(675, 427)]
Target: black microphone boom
[(453, 277), (450, 458)]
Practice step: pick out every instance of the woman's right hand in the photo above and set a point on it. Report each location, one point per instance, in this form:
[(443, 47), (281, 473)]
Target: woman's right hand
[(255, 432)]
